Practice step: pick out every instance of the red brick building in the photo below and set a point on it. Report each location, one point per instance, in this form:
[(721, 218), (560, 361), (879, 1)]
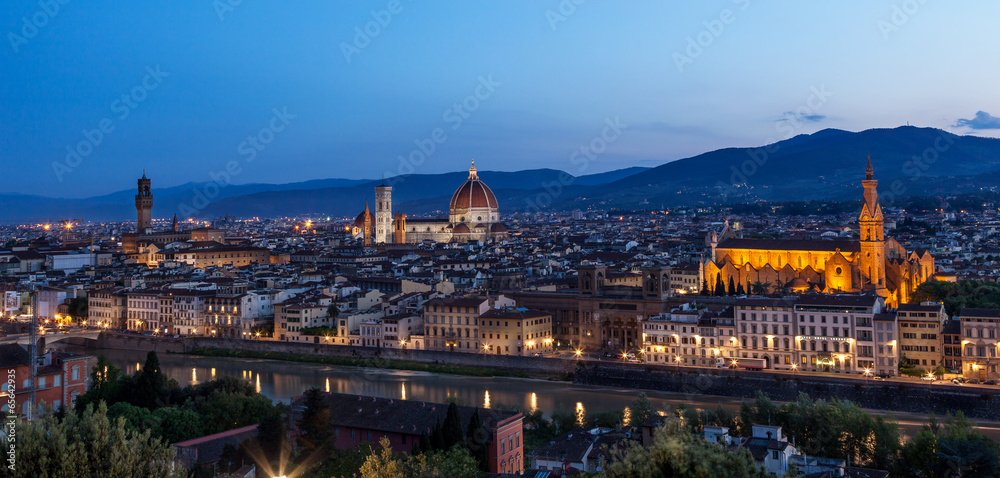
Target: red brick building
[(61, 378), (359, 419)]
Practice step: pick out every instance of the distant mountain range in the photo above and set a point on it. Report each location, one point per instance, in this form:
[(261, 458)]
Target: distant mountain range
[(826, 165)]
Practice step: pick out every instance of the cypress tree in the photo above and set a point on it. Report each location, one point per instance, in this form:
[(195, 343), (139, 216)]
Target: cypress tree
[(720, 287), (704, 287), (732, 286), (740, 290), (424, 445), (475, 441), (150, 384), (452, 430), (437, 437)]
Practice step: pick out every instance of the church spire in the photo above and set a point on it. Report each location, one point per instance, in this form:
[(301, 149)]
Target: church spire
[(869, 172)]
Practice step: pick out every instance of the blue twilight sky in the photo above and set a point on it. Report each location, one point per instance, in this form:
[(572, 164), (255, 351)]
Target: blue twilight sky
[(351, 105)]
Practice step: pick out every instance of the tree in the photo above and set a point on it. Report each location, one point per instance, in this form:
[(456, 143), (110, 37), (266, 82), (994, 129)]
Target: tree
[(105, 384), (642, 409), (437, 436), (453, 463), (150, 383), (955, 448), (677, 453), (315, 419), (758, 288), (740, 290), (477, 441), (452, 429), (720, 287), (271, 437), (732, 286), (704, 287), (176, 425), (89, 444), (333, 311)]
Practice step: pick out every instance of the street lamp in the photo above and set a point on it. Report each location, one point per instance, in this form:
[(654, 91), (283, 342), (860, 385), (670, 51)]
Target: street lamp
[(578, 353), (795, 367), (868, 373), (677, 360)]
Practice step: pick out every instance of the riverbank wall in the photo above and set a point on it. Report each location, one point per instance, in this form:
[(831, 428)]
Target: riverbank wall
[(974, 402), (528, 365)]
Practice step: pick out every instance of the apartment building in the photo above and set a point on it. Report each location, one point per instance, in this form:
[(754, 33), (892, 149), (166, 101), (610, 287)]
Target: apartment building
[(951, 339), (920, 334), (107, 305), (452, 323), (766, 331), (300, 313), (515, 331), (827, 327), (143, 310), (979, 342), (689, 336)]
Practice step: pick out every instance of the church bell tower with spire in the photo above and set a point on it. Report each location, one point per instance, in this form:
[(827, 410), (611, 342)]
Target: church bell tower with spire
[(870, 222)]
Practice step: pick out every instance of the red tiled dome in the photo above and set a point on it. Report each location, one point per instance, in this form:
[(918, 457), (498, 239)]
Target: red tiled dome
[(473, 193), (360, 220), (498, 228)]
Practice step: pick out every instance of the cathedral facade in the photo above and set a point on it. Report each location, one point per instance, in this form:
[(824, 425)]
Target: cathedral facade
[(871, 263), (473, 215)]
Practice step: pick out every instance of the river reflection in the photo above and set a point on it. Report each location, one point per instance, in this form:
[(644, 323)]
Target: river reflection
[(283, 380)]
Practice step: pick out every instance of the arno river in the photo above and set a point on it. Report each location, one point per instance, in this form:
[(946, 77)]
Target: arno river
[(283, 380)]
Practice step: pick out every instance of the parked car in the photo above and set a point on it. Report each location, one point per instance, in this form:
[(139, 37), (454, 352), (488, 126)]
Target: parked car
[(990, 382), (956, 381), (959, 379), (929, 378), (877, 377), (972, 381)]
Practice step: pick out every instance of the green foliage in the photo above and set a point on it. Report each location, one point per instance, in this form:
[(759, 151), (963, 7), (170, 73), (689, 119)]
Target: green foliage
[(952, 449), (452, 432), (136, 418), (453, 463), (641, 409), (176, 425), (105, 384), (477, 441), (89, 444), (334, 463), (150, 383), (315, 420), (720, 287), (677, 453), (955, 295), (78, 308), (320, 331), (833, 429)]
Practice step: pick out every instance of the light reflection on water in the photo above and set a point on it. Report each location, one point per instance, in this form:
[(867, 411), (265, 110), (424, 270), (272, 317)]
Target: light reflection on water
[(283, 380)]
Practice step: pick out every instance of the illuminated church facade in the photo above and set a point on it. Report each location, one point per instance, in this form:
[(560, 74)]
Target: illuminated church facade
[(473, 215), (871, 263)]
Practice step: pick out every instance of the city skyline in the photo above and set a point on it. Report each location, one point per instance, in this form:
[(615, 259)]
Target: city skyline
[(533, 82)]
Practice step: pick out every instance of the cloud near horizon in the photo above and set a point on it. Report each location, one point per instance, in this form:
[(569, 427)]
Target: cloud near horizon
[(983, 120), (800, 117)]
